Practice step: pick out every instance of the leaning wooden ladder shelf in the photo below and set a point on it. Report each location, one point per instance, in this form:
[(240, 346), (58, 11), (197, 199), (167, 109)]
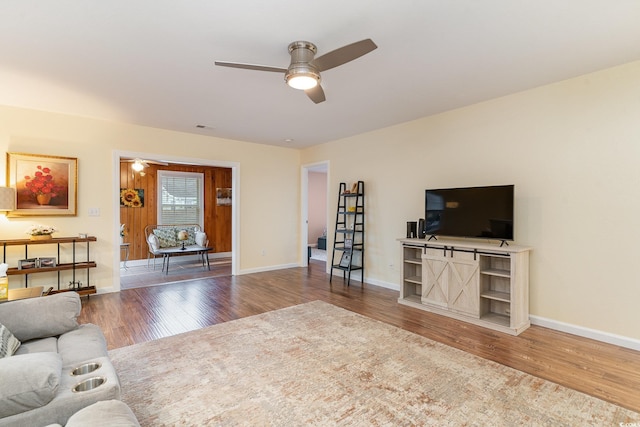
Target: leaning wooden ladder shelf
[(73, 265), (348, 239)]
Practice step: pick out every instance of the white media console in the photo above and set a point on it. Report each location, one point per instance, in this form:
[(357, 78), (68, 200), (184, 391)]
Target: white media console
[(481, 283)]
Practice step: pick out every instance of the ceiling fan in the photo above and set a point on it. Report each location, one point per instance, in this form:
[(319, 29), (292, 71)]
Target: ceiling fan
[(304, 70)]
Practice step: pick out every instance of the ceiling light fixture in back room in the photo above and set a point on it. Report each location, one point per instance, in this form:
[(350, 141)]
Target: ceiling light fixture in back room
[(138, 164)]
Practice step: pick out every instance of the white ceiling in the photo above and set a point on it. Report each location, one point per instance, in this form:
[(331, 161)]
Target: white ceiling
[(150, 62)]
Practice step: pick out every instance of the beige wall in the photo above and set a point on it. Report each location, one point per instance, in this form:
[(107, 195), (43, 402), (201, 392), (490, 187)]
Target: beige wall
[(268, 180), (572, 149)]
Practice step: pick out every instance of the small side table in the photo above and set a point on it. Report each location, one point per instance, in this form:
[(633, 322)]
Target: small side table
[(125, 247)]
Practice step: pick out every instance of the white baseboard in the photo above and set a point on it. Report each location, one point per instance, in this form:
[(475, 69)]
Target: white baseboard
[(594, 334), (388, 285), (581, 331), (269, 268), (143, 262)]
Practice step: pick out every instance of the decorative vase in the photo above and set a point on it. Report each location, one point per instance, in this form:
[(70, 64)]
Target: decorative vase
[(41, 237), (43, 199)]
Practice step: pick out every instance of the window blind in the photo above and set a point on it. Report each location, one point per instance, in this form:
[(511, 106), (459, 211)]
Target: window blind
[(181, 198)]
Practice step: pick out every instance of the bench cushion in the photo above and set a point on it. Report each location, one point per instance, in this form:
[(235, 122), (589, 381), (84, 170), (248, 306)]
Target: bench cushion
[(201, 238), (166, 237)]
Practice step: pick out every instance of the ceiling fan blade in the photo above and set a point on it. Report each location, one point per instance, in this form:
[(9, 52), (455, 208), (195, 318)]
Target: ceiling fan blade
[(344, 54), (251, 67), (316, 94)]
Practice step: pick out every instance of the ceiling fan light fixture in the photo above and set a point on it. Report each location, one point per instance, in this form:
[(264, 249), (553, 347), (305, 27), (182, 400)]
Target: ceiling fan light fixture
[(301, 74), (137, 165), (303, 81)]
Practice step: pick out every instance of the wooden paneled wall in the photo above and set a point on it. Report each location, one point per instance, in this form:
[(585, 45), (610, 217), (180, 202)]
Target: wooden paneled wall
[(217, 219)]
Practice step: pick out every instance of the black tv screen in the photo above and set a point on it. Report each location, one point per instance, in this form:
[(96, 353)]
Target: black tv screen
[(478, 212)]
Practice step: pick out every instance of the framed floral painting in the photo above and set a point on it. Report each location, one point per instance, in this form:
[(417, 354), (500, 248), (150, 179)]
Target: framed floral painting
[(45, 185)]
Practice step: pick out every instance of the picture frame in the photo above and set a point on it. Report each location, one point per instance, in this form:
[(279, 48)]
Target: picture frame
[(345, 260), (132, 197), (46, 262), (348, 243), (45, 185), (223, 196), (25, 264)]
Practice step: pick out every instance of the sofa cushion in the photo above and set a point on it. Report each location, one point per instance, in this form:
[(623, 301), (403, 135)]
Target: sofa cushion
[(41, 345), (28, 381), (108, 413), (166, 237), (8, 343), (56, 315)]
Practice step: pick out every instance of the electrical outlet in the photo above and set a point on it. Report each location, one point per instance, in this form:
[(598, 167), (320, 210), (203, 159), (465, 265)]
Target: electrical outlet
[(94, 211), (263, 253)]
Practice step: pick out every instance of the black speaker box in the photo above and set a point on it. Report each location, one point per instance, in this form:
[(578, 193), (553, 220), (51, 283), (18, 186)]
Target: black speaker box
[(422, 232), (412, 229)]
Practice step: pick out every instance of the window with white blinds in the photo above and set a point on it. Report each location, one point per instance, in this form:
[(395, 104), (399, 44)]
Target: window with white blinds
[(181, 198)]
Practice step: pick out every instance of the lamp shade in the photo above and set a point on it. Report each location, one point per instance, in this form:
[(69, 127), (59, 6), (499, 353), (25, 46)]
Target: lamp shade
[(7, 199)]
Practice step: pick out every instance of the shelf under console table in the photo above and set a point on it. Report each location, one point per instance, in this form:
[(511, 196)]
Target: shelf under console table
[(481, 283), (74, 265)]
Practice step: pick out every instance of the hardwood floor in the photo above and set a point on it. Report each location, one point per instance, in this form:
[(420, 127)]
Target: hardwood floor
[(135, 276), (146, 313)]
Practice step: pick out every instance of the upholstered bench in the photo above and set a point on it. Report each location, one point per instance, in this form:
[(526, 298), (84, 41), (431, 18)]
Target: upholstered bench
[(169, 240)]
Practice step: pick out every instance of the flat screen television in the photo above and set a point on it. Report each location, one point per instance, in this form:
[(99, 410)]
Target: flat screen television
[(476, 212)]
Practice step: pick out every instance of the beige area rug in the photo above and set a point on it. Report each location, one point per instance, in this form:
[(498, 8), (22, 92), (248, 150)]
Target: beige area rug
[(317, 364)]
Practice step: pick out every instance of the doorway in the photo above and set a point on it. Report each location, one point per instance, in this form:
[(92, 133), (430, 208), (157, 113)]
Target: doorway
[(217, 174), (315, 179)]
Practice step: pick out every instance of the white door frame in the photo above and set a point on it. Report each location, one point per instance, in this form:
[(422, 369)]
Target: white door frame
[(322, 166), (235, 201)]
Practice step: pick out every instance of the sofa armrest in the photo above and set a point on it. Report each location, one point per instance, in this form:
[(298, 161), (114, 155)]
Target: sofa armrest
[(41, 317), (28, 381)]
